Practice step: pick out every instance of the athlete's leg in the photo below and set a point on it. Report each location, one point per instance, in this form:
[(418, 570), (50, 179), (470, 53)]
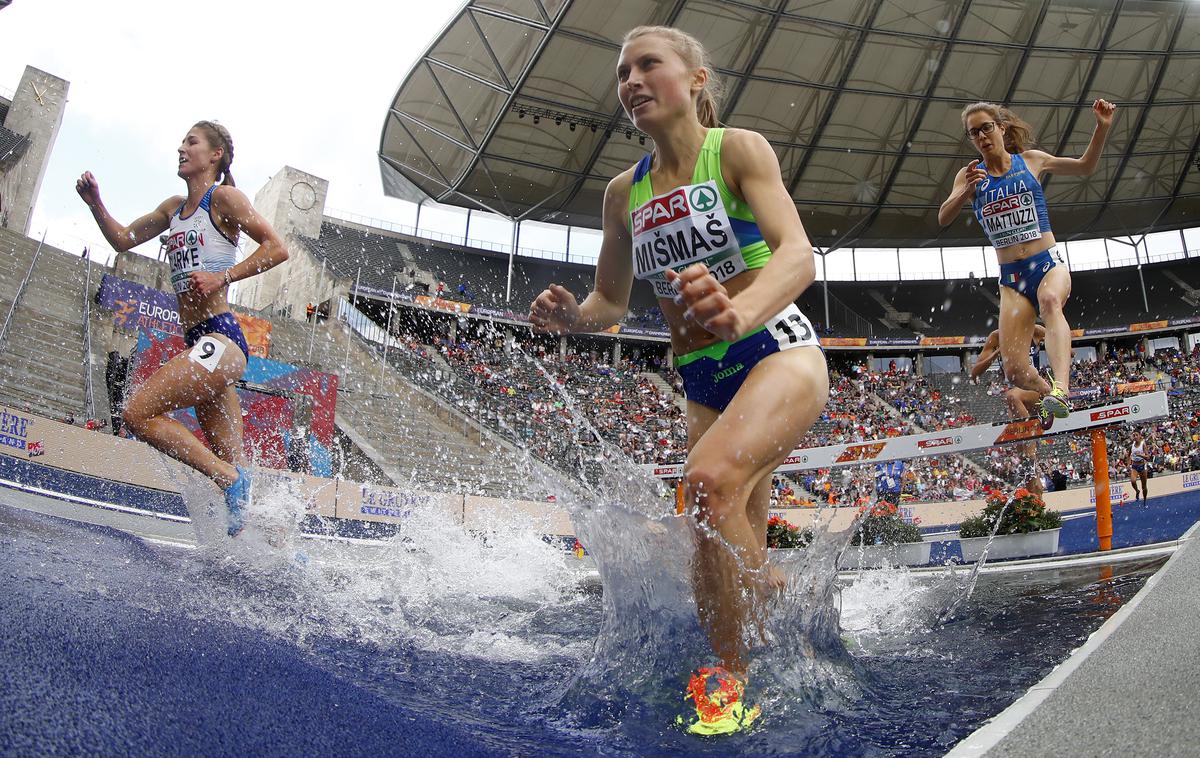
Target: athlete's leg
[(1023, 404), (1145, 475), (779, 400), (1052, 295), (181, 383), (221, 420), (1016, 334), (1133, 481), (700, 418)]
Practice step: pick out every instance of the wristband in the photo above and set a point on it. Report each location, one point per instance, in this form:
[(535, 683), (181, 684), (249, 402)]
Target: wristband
[(228, 281)]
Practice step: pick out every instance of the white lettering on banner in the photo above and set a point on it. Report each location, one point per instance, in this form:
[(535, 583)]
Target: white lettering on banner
[(14, 430), (938, 442), (1116, 494), (1148, 406), (157, 312), (1108, 413), (685, 226)]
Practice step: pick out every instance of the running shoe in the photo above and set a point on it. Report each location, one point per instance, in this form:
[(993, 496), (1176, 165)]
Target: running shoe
[(717, 696), (237, 499), (1057, 402), (1045, 417)]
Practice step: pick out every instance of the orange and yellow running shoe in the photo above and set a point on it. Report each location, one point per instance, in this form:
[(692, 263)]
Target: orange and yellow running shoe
[(718, 697)]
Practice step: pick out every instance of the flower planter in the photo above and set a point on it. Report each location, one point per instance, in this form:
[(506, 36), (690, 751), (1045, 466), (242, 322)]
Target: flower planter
[(1005, 546), (878, 556)]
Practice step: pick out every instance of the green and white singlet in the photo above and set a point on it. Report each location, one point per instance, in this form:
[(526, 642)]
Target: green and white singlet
[(701, 222)]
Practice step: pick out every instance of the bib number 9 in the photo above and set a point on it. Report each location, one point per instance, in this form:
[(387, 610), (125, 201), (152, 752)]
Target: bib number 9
[(207, 352)]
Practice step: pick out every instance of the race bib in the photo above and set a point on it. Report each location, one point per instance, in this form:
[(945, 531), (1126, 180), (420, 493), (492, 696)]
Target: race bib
[(207, 352), (1010, 220), (183, 254), (722, 270), (791, 328), (685, 226)]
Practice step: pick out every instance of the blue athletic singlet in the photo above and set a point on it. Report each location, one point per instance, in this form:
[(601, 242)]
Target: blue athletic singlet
[(197, 244), (1011, 209)]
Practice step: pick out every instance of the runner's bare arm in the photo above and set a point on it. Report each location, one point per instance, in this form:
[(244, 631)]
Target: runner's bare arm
[(235, 209), (751, 170), (961, 193), (121, 237), (1044, 163), (555, 309), (987, 355)]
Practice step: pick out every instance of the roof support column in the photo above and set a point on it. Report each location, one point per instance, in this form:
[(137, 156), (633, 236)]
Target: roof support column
[(512, 251)]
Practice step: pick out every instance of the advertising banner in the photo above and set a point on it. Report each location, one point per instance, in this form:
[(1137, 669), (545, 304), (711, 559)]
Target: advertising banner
[(843, 342), (1130, 388), (1148, 325), (441, 304), (136, 306), (943, 340), (305, 404)]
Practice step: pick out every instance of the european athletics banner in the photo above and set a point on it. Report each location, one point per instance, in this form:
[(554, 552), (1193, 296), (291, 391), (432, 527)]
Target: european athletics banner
[(136, 306), (306, 401)]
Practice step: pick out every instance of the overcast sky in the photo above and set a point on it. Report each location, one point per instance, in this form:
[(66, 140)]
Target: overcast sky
[(306, 85), (300, 87)]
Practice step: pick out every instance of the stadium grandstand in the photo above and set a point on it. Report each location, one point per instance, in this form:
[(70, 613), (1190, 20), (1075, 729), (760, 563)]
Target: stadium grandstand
[(401, 357)]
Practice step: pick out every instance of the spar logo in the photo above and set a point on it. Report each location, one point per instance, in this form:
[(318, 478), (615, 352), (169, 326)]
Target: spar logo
[(1003, 205), (703, 198), (668, 470), (14, 430), (1109, 413), (191, 237), (938, 442), (662, 210)]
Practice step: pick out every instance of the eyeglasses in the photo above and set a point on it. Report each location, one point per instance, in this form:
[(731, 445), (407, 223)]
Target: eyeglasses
[(985, 128)]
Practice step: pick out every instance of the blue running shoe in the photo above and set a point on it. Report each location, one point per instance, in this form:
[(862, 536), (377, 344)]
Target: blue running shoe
[(237, 499)]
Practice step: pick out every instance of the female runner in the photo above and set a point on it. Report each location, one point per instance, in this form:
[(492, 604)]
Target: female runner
[(1019, 403), (1139, 464), (707, 221), (202, 250), (1005, 192)]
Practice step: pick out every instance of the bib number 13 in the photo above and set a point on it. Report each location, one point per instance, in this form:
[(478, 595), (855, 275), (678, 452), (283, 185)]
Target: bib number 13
[(791, 329)]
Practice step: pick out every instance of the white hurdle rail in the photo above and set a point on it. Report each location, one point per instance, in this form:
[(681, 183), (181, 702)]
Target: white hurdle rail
[(964, 439)]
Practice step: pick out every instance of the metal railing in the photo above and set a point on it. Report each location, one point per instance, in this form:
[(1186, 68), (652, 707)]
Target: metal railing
[(17, 297)]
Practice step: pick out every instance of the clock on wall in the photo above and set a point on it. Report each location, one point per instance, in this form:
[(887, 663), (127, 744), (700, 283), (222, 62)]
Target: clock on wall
[(303, 195)]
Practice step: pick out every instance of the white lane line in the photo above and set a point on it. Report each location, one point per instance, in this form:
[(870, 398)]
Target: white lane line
[(88, 501)]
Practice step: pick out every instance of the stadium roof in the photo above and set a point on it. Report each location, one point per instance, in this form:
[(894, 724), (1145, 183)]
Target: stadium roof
[(513, 108)]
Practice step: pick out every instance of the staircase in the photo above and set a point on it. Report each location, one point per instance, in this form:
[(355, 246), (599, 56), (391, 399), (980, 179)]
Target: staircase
[(42, 360), (415, 439), (666, 389)]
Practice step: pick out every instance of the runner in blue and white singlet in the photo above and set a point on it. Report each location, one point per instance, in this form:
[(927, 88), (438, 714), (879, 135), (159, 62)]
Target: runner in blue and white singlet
[(1004, 190), (201, 248)]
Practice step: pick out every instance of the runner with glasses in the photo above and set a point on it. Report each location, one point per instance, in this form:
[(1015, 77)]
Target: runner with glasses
[(1004, 188)]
